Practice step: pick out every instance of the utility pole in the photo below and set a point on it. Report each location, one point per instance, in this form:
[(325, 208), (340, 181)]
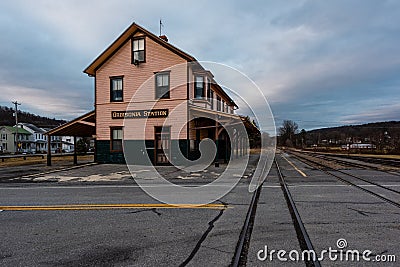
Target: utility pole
[(16, 125)]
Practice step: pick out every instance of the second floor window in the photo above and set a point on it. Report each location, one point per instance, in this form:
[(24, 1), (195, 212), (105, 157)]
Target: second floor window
[(162, 85), (211, 99), (223, 106), (199, 87), (218, 103), (116, 89), (208, 89), (138, 51)]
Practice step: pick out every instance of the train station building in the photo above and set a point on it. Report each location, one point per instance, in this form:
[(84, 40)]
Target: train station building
[(150, 92)]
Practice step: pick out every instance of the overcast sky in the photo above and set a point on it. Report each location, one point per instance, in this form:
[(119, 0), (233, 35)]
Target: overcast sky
[(319, 63)]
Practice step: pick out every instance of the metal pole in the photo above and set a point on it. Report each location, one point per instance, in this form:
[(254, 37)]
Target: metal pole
[(16, 125), (49, 150)]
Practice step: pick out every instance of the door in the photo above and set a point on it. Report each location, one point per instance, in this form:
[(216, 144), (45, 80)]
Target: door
[(162, 145)]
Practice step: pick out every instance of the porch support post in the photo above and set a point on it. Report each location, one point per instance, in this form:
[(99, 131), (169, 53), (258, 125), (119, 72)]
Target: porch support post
[(216, 162), (236, 145), (241, 146), (95, 150), (49, 150), (75, 154)]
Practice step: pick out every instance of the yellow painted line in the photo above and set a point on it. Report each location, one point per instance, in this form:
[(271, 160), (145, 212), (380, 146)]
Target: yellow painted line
[(297, 169), (113, 206)]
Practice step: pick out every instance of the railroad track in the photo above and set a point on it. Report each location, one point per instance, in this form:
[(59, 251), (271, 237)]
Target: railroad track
[(323, 168), (354, 176), (241, 251), (302, 235), (354, 164), (340, 159), (242, 247), (386, 162), (345, 162)]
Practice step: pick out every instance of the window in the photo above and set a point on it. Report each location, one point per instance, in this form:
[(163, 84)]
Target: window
[(218, 103), (208, 88), (199, 87), (116, 139), (162, 85), (116, 89), (211, 99), (138, 52), (223, 106)]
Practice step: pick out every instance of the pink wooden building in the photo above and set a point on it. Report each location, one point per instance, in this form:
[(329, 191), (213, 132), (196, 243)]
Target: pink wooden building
[(142, 82)]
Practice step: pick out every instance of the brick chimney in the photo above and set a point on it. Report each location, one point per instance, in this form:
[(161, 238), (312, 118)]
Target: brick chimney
[(163, 37)]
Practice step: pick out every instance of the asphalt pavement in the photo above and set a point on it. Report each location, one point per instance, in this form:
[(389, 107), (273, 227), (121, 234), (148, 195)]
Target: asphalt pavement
[(120, 232)]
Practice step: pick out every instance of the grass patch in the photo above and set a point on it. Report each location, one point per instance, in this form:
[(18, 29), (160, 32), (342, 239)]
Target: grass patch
[(33, 160)]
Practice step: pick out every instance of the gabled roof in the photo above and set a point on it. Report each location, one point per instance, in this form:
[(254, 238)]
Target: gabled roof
[(33, 127), (13, 130), (126, 36)]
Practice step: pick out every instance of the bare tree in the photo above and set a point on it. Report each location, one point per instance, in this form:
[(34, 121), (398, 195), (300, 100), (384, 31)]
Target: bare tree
[(287, 132)]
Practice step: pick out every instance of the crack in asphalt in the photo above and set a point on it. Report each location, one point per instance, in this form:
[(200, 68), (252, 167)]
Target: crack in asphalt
[(144, 210), (364, 213), (203, 237)]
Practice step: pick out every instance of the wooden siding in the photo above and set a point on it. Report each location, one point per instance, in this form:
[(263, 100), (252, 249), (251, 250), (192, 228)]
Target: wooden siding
[(158, 58)]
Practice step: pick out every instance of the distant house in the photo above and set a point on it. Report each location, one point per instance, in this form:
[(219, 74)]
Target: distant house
[(362, 146), (67, 143), (8, 143), (60, 144), (32, 139), (38, 135)]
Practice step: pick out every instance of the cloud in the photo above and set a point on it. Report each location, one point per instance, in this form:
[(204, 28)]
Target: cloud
[(301, 54), (377, 111), (65, 105)]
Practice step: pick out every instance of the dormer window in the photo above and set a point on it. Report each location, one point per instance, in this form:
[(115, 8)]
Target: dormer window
[(138, 51)]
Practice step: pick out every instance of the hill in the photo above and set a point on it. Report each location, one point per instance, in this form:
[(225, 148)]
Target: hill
[(7, 118), (382, 135)]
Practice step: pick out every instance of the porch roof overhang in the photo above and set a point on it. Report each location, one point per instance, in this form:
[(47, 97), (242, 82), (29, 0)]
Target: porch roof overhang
[(221, 115), (83, 126)]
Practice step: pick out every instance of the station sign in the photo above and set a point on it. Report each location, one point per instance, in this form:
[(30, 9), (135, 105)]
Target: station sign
[(139, 114)]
